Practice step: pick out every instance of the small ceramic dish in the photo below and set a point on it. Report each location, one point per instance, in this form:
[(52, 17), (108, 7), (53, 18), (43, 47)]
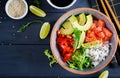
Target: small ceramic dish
[(58, 7), (15, 8)]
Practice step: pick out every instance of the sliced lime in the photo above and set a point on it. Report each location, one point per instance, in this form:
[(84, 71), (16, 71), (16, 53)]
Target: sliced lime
[(81, 40), (37, 11), (91, 44), (82, 19), (104, 74), (44, 31)]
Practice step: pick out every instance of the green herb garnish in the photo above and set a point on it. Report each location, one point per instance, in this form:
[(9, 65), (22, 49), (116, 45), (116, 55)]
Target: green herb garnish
[(79, 60), (37, 2), (24, 26), (50, 57)]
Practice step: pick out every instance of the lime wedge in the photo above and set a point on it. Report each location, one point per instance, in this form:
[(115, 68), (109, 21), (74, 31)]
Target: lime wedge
[(82, 19), (91, 44), (37, 11), (81, 40), (104, 74), (44, 31)]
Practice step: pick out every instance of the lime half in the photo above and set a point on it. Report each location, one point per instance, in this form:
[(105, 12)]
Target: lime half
[(37, 11), (44, 31), (104, 74)]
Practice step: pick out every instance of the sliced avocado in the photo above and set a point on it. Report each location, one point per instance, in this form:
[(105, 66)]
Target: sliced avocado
[(82, 19), (77, 17), (66, 24), (67, 28), (91, 44), (81, 40), (72, 19), (85, 27)]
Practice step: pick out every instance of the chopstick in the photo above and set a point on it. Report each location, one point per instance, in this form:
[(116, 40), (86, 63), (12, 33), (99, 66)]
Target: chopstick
[(105, 9), (112, 13), (119, 42)]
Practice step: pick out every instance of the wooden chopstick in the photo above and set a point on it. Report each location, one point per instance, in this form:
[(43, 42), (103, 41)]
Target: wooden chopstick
[(119, 42), (114, 17), (103, 5), (112, 13)]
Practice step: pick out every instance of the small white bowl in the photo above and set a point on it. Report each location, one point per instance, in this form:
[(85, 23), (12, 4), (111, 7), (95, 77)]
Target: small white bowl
[(57, 7), (22, 16)]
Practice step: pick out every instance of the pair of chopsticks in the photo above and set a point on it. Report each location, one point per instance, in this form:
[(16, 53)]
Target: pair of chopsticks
[(106, 7)]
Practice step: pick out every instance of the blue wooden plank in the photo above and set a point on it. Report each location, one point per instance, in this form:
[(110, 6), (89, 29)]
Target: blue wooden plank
[(9, 34), (8, 26), (21, 54), (30, 61), (47, 8)]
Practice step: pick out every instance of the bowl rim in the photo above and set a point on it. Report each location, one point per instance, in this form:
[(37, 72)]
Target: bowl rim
[(73, 70), (25, 13), (65, 7)]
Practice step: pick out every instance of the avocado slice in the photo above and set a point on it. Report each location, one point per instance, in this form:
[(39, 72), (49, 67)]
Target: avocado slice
[(82, 38), (82, 19), (91, 44), (85, 27), (67, 28)]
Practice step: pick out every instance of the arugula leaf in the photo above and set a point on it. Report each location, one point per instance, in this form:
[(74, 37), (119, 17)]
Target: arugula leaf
[(77, 34), (71, 64), (24, 26), (50, 57), (87, 62), (79, 57), (37, 3), (80, 60)]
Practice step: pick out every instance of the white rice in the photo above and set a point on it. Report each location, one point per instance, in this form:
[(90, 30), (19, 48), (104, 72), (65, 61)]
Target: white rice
[(98, 53)]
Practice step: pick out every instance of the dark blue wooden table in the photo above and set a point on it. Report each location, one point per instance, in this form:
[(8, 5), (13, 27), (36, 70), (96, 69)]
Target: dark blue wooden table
[(22, 54)]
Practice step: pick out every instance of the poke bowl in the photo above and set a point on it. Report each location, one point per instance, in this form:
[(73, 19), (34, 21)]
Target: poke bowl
[(83, 41)]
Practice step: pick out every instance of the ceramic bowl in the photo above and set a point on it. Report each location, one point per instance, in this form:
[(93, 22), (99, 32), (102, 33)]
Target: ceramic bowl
[(20, 17), (97, 15), (65, 7)]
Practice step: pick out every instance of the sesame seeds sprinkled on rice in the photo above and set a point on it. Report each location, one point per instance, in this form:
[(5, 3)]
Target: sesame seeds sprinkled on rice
[(98, 53)]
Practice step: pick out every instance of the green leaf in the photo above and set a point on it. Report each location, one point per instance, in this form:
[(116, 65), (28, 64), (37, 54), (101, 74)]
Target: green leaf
[(79, 57), (80, 60), (77, 34), (50, 57), (87, 62), (37, 2), (71, 64), (24, 26)]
